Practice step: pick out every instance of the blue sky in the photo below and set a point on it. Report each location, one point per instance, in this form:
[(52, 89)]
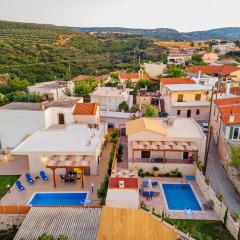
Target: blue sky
[(183, 15)]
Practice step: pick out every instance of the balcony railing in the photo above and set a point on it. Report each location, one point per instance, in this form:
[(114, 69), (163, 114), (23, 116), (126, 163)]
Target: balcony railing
[(160, 160)]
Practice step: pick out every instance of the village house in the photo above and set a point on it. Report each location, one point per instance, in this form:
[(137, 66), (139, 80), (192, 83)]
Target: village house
[(53, 90), (224, 48), (165, 143), (178, 59), (134, 76), (154, 69), (210, 57), (109, 98), (188, 100), (225, 121)]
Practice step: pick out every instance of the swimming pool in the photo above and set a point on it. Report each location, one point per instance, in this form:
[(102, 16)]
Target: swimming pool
[(58, 199), (180, 197)]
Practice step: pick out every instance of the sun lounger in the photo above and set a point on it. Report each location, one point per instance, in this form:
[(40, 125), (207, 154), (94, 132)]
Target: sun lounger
[(19, 186), (150, 193), (43, 176), (145, 183), (29, 178), (188, 211), (154, 183)]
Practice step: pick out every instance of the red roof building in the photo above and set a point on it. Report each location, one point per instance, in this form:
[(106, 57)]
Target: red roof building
[(167, 81), (129, 183), (85, 109), (229, 107), (224, 70)]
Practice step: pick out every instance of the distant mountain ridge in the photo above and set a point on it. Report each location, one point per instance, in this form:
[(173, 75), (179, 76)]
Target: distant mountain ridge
[(228, 33)]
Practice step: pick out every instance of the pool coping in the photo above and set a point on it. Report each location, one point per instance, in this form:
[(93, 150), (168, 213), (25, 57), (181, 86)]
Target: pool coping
[(33, 195), (196, 196)]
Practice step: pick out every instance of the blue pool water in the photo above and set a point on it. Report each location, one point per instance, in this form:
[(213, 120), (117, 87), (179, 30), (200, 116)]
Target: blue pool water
[(180, 196), (58, 199)]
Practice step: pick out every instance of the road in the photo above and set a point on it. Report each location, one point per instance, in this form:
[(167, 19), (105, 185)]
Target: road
[(219, 180)]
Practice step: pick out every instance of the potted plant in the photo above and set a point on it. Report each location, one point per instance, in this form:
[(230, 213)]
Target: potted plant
[(155, 171)]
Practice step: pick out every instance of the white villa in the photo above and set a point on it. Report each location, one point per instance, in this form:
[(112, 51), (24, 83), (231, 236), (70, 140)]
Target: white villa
[(20, 119), (165, 143), (109, 98), (52, 90), (61, 147)]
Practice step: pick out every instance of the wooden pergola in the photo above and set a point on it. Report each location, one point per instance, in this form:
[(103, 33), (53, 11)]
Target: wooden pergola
[(163, 146), (53, 168)]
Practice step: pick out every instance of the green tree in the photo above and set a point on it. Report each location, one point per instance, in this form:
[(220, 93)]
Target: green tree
[(176, 72), (18, 84), (123, 106), (114, 75), (235, 156), (129, 83), (151, 111), (196, 59), (46, 236)]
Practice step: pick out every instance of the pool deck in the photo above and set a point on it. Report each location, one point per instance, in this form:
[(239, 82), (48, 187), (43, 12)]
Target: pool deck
[(16, 197), (159, 203)]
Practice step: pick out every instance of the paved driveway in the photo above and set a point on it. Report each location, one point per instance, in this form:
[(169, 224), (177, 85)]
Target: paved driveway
[(219, 180)]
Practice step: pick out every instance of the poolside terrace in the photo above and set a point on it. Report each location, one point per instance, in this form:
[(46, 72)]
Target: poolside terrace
[(158, 202), (15, 197)]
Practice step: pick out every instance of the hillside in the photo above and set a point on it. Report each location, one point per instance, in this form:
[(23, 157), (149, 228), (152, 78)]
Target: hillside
[(171, 34), (44, 52)]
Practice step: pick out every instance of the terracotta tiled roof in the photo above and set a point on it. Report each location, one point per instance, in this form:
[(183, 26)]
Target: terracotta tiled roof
[(85, 109), (227, 106), (224, 70), (177, 81), (233, 90), (128, 182), (132, 75)]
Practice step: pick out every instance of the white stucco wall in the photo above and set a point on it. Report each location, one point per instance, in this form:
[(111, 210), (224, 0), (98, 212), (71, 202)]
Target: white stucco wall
[(123, 198), (15, 125)]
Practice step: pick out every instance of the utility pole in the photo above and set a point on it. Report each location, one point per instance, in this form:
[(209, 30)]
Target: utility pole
[(208, 139)]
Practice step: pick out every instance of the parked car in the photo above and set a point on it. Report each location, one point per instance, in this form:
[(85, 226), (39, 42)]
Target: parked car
[(204, 127)]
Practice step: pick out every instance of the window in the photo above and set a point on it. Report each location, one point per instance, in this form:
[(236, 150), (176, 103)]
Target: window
[(235, 133), (197, 112), (61, 118), (197, 97), (189, 113), (180, 98), (145, 154), (178, 112)]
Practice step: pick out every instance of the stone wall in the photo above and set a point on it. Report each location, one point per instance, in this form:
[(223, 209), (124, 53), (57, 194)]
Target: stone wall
[(7, 221)]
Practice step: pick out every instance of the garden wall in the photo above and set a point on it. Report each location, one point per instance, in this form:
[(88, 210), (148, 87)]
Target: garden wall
[(219, 207), (185, 169)]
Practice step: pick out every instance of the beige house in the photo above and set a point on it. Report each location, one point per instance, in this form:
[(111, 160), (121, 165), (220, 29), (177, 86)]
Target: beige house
[(86, 113), (188, 100), (210, 57), (165, 143)]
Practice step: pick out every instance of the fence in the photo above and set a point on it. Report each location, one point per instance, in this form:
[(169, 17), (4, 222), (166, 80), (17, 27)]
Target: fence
[(14, 209), (219, 207)]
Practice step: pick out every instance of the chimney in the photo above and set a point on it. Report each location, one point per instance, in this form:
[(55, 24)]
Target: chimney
[(231, 117), (199, 74), (42, 106), (228, 86), (121, 184)]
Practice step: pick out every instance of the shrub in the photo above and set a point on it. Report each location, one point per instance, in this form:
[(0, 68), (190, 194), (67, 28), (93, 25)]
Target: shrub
[(207, 180), (219, 196), (123, 106), (120, 152), (155, 168), (141, 173), (235, 216)]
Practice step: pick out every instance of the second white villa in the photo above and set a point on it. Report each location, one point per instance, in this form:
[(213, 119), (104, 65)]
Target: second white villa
[(165, 143)]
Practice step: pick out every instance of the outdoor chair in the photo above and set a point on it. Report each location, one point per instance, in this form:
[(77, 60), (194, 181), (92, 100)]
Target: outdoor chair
[(150, 193), (19, 186), (43, 176), (29, 178)]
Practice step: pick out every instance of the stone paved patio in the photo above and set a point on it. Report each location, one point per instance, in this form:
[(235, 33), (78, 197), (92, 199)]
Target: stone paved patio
[(159, 204), (16, 197)]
